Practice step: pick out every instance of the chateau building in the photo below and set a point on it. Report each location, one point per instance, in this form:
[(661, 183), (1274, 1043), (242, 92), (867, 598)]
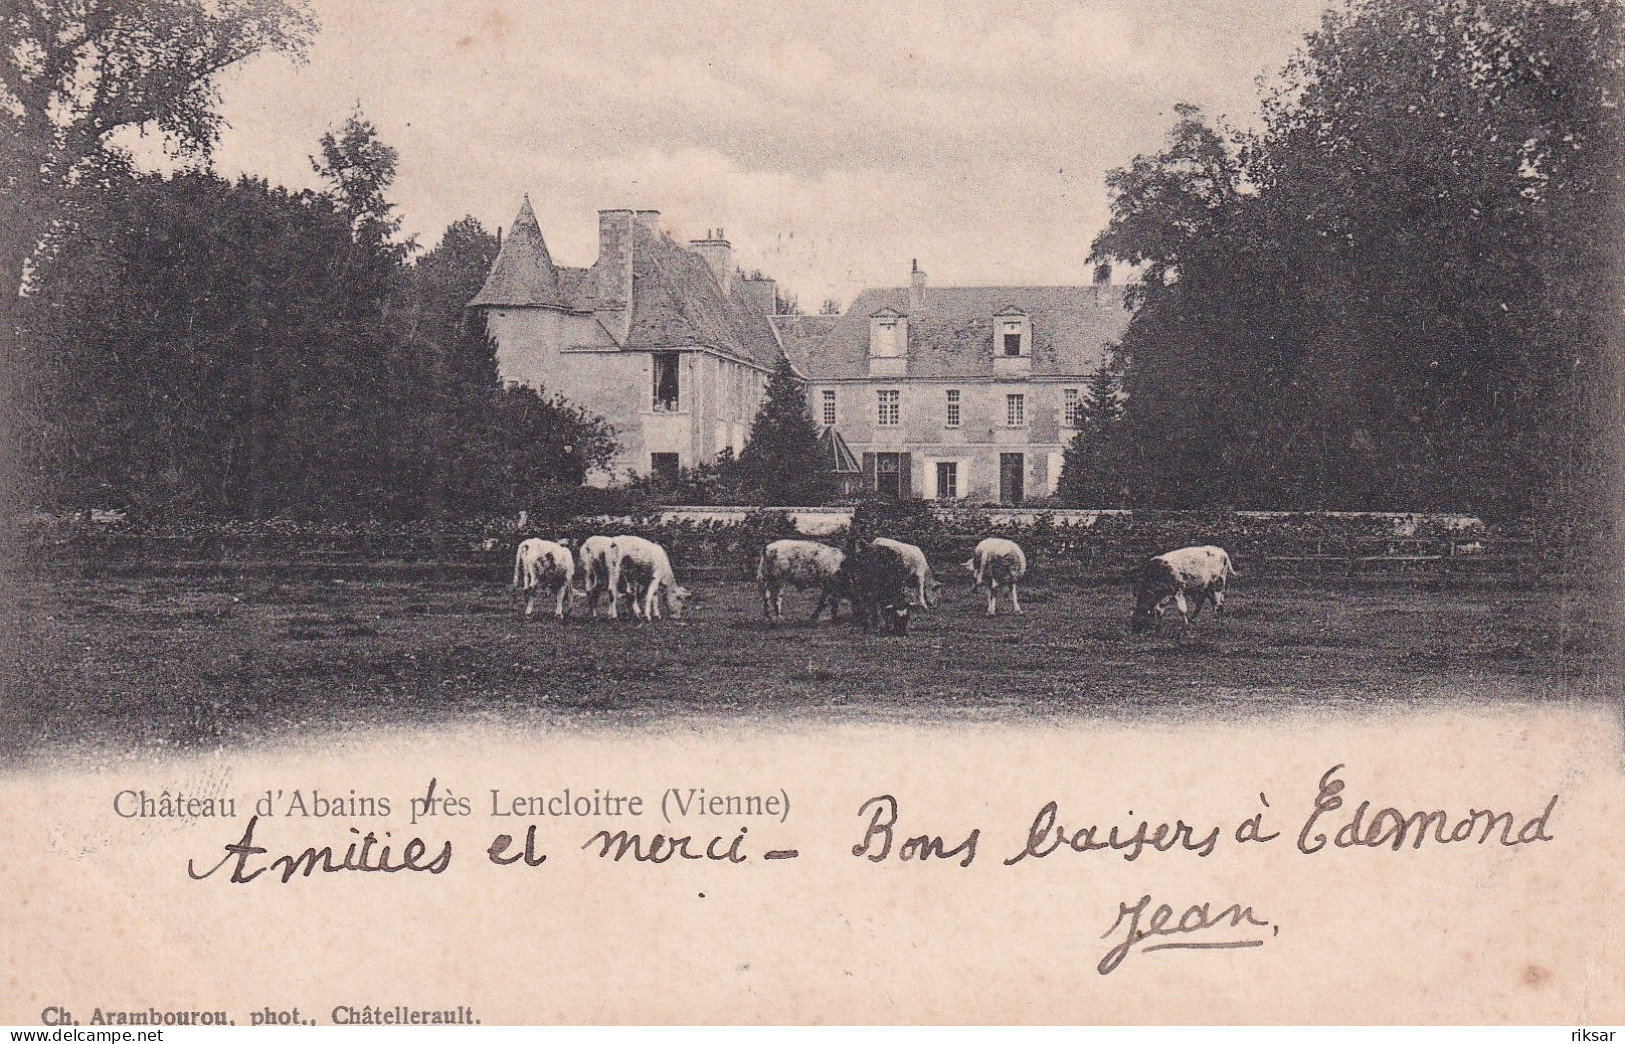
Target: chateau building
[(666, 343), (937, 392), (957, 392)]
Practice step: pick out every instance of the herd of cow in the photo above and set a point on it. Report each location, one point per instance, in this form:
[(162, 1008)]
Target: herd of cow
[(881, 578)]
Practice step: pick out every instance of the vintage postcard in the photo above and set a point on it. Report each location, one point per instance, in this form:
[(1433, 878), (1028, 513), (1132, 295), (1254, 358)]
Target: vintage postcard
[(1088, 512)]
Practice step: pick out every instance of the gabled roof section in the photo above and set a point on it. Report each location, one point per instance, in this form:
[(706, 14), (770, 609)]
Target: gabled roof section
[(676, 302), (523, 275), (951, 336), (888, 313)]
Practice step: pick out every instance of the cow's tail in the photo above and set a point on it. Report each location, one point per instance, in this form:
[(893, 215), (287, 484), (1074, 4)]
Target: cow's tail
[(1229, 568), (518, 566)]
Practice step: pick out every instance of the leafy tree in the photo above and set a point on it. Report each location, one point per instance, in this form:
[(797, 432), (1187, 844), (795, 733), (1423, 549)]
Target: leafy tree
[(359, 169), (781, 459), (1394, 294), (830, 306), (74, 73), (176, 348)]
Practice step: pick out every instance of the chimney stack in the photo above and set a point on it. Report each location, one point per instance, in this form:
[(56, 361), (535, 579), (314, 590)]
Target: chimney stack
[(649, 219), (763, 294), (916, 288), (614, 284), (718, 254)]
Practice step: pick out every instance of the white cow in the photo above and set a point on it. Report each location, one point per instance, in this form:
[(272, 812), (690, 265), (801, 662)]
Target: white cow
[(542, 566), (925, 585), (997, 561), (803, 564), (595, 573), (1187, 578), (644, 570)]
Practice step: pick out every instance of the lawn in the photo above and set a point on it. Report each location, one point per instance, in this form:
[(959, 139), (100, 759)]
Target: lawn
[(167, 658)]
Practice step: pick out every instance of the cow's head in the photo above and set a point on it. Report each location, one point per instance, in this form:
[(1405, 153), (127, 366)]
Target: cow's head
[(933, 595), (1148, 610), (970, 567), (894, 618), (679, 600)]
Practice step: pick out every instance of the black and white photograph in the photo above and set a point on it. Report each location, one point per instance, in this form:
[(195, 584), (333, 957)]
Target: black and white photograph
[(1092, 512)]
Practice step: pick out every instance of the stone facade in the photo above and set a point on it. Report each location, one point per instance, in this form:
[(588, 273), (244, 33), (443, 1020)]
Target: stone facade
[(957, 393), (663, 341), (947, 393)]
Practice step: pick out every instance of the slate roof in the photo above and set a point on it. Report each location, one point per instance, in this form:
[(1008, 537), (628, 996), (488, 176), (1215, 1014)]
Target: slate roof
[(523, 275), (676, 302), (951, 336), (837, 454)]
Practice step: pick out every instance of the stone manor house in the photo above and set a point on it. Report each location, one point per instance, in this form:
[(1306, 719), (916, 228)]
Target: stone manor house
[(936, 392)]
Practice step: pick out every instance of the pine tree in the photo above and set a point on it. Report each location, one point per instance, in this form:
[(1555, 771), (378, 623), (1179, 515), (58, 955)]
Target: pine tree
[(1091, 472), (782, 459)]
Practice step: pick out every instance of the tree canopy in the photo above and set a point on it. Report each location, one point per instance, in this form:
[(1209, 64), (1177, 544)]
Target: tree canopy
[(1397, 292), (198, 347), (74, 72)]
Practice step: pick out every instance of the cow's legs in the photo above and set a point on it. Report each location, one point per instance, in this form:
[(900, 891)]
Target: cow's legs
[(992, 598), (766, 591), (562, 602), (1015, 603), (530, 600)]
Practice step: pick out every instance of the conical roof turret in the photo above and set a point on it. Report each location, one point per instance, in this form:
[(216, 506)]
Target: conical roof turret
[(523, 275)]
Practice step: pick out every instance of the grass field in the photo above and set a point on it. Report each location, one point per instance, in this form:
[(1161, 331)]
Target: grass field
[(164, 659)]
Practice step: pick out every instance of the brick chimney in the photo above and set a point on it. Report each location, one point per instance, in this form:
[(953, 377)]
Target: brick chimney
[(649, 219), (613, 285), (719, 255), (763, 294), (916, 289)]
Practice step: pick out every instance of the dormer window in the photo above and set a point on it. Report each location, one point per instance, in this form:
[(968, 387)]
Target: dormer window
[(1013, 334), (888, 334)]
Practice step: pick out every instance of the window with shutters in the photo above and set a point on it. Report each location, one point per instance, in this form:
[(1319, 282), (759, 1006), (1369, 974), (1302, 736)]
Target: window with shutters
[(1015, 410), (953, 408), (829, 409), (890, 410)]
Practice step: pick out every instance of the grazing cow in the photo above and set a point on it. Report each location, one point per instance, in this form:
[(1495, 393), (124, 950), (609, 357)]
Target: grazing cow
[(1188, 578), (997, 561), (802, 564), (644, 570), (541, 566), (595, 573), (881, 581), (925, 585)]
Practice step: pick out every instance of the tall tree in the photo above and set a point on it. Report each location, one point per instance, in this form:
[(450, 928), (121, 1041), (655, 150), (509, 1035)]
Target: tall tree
[(781, 460), (74, 72), (1403, 302), (1093, 465)]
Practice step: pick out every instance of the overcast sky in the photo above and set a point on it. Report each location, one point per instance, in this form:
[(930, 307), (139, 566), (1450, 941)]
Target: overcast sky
[(834, 141)]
